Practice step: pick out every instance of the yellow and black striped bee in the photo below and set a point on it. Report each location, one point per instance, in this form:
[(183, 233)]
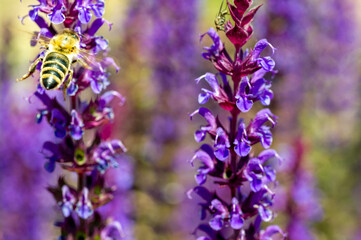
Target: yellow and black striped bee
[(61, 52)]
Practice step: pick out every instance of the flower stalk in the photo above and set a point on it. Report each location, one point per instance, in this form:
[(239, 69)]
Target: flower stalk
[(229, 162), (90, 155)]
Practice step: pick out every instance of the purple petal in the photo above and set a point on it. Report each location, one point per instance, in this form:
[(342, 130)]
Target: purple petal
[(266, 97), (236, 221), (199, 135), (113, 231), (84, 207), (265, 213), (84, 15), (66, 209), (211, 80), (267, 63), (205, 158), (221, 153), (203, 98), (101, 44), (270, 231), (242, 149), (117, 144), (266, 139), (107, 97), (108, 61), (76, 126), (270, 173), (244, 104), (208, 116), (256, 183), (258, 87), (33, 14), (72, 89), (263, 116), (216, 223), (94, 27), (57, 16), (96, 86), (218, 205), (200, 177), (265, 155), (50, 165), (203, 192), (260, 46), (68, 201), (216, 46), (98, 8)]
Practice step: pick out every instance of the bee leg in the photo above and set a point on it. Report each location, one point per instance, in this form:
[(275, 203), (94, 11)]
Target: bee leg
[(67, 83), (31, 69)]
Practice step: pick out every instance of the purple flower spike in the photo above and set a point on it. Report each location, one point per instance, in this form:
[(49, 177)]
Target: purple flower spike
[(68, 202), (228, 162), (89, 158), (84, 207), (76, 126)]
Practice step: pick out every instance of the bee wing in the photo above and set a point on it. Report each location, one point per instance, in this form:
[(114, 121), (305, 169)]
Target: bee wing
[(42, 40), (88, 60), (37, 37)]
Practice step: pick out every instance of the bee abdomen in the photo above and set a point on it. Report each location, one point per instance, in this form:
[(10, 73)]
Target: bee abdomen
[(54, 69)]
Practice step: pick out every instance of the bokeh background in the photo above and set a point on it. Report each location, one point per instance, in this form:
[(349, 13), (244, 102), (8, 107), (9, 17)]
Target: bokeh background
[(156, 44)]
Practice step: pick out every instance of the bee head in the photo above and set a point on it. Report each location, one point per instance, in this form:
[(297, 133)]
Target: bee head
[(67, 42)]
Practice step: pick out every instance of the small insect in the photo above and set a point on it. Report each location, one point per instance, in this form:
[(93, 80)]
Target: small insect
[(220, 19), (61, 52)]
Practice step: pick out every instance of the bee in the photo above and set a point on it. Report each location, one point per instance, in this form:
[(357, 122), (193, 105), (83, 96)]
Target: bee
[(62, 51), (220, 19)]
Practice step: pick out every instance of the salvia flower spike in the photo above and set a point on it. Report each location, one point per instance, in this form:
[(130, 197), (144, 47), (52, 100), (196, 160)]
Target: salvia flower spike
[(73, 70), (235, 182)]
